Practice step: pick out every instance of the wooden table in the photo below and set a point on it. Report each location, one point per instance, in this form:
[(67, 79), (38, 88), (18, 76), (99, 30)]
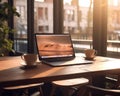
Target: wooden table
[(12, 74)]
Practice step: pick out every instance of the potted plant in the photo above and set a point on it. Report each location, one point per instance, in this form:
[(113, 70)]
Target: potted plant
[(5, 12)]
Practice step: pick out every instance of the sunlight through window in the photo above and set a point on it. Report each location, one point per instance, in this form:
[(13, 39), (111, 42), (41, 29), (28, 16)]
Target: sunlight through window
[(84, 3), (115, 2), (67, 2), (40, 0)]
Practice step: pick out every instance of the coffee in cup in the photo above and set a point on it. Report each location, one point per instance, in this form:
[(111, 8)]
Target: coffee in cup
[(90, 53), (29, 59)]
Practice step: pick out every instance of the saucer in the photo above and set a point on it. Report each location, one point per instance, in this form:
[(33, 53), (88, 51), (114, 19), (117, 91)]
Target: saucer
[(89, 58), (25, 66)]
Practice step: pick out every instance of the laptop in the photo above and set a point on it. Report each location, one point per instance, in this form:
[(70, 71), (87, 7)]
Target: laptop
[(57, 50)]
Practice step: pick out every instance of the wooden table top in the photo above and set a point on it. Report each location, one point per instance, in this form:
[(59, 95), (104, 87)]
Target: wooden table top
[(11, 72)]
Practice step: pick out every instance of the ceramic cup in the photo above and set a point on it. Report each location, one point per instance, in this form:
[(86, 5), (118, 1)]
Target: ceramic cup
[(29, 59), (90, 53)]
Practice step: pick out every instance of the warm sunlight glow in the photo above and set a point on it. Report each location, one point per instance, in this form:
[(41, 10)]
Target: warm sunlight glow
[(115, 2), (67, 2), (84, 3), (40, 0)]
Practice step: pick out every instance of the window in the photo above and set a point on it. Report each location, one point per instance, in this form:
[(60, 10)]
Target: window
[(21, 10), (20, 36), (113, 31), (90, 24), (78, 21), (43, 17)]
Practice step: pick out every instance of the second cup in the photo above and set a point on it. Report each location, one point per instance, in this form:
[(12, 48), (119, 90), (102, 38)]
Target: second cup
[(29, 59)]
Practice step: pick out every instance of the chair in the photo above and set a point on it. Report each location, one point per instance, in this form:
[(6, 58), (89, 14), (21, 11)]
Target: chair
[(70, 87), (114, 91), (22, 89), (111, 92)]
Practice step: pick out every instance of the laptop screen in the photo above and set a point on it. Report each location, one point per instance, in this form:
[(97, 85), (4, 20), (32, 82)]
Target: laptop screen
[(54, 45)]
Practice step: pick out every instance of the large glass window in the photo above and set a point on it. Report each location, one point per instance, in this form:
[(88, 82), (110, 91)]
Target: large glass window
[(43, 21), (20, 24), (78, 21), (43, 17), (113, 33)]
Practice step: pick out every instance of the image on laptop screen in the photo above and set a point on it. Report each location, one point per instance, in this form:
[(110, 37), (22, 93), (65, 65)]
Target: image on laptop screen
[(52, 45)]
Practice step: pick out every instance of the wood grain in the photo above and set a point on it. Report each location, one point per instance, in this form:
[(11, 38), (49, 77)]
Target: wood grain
[(11, 72)]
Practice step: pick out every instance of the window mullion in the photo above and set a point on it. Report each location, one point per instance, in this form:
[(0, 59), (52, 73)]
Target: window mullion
[(30, 25), (58, 16), (100, 26)]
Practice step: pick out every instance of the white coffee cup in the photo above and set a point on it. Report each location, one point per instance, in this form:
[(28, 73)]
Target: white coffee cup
[(29, 59), (90, 53)]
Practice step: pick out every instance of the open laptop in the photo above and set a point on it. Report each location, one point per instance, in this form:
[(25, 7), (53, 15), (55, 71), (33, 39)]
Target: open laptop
[(57, 50)]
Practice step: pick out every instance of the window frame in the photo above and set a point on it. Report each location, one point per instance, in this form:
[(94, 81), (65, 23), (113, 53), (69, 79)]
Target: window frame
[(99, 27)]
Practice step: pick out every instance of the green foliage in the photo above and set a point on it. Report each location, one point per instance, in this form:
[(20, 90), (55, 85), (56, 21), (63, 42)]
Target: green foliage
[(6, 11)]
